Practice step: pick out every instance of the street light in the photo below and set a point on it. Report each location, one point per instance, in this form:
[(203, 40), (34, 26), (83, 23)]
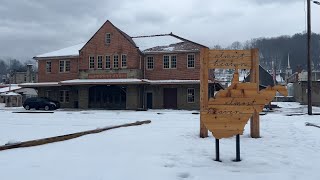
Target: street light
[(309, 55)]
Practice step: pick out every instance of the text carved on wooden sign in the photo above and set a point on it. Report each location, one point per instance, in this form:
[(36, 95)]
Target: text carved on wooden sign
[(230, 59)]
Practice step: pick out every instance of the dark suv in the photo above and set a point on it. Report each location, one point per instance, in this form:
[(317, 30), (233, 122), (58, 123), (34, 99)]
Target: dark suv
[(41, 103)]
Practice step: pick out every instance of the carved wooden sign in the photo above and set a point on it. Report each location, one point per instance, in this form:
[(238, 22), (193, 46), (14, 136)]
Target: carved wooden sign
[(230, 59), (226, 114)]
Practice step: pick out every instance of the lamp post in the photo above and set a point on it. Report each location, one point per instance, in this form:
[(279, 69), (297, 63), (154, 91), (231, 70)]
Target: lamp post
[(309, 55)]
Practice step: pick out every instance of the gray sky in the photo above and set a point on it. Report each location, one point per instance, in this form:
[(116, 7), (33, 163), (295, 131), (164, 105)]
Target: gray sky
[(32, 27)]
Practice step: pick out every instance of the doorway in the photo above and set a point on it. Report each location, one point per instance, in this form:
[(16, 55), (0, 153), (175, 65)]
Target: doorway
[(170, 98), (149, 100)]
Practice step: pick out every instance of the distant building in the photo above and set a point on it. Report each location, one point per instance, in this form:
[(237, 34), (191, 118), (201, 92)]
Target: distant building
[(29, 76)]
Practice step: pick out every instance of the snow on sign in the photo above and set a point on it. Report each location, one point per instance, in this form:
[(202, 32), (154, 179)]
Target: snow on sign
[(227, 113)]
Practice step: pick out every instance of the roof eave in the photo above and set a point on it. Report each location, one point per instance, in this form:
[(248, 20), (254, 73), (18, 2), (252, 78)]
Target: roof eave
[(56, 57)]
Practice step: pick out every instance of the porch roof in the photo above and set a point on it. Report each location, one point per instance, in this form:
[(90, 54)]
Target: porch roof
[(101, 81), (42, 84)]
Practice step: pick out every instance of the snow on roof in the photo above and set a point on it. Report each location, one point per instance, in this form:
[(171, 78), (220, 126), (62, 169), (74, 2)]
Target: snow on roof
[(44, 84), (173, 81), (8, 89), (10, 94), (69, 51), (102, 81), (147, 42)]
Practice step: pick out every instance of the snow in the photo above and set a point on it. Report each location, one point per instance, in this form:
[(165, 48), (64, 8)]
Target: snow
[(9, 94), (174, 81), (147, 42), (89, 81), (39, 84), (169, 148), (69, 51), (12, 88)]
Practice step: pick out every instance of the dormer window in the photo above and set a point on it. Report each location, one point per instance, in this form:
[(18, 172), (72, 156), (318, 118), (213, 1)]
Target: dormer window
[(108, 38)]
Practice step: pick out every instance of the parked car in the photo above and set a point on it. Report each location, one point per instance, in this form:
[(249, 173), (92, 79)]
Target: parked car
[(40, 103)]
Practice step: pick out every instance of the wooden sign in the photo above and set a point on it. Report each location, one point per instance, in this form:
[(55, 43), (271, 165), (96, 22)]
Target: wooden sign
[(230, 59), (228, 112)]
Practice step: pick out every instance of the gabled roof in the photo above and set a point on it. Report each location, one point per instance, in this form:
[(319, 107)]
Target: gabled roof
[(121, 32), (164, 43), (65, 52), (146, 44), (265, 79)]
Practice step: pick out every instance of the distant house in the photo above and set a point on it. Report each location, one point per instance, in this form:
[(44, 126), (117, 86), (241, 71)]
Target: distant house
[(265, 78), (28, 76), (113, 70)]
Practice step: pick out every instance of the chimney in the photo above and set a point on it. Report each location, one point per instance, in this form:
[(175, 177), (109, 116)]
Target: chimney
[(29, 73)]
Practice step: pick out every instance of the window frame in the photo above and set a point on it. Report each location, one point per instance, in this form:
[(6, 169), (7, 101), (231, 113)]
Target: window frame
[(48, 93), (192, 95), (99, 63), (170, 61), (65, 98), (126, 60), (49, 62), (108, 39), (114, 67), (194, 61), (90, 63), (106, 61), (148, 63), (63, 68)]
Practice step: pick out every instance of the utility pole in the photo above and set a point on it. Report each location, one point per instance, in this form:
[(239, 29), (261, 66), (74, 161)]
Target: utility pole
[(309, 91)]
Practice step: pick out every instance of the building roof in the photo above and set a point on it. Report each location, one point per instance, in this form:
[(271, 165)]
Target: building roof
[(9, 89), (69, 51), (146, 44), (10, 94), (101, 81), (42, 84), (265, 79), (112, 81), (164, 43)]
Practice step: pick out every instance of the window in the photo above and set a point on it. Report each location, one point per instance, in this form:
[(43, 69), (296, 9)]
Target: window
[(173, 62), (48, 93), (123, 61), (169, 62), (115, 61), (108, 38), (150, 62), (64, 96), (99, 62), (108, 62), (166, 62), (48, 66), (91, 62), (190, 94), (191, 63), (64, 66)]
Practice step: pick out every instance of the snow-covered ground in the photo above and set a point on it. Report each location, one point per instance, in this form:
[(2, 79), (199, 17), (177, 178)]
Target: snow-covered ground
[(168, 148)]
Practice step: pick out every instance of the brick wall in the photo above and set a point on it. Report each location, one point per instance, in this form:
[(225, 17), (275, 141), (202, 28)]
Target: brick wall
[(55, 75), (119, 45), (182, 72)]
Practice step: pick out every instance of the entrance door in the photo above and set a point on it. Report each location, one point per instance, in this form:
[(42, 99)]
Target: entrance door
[(170, 98), (149, 100)]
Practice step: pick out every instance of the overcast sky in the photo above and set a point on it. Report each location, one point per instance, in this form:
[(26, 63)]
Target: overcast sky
[(32, 27)]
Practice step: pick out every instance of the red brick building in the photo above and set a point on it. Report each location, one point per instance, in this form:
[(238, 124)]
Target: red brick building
[(115, 71)]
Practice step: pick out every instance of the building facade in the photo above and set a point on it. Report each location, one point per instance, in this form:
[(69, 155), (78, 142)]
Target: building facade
[(115, 71)]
